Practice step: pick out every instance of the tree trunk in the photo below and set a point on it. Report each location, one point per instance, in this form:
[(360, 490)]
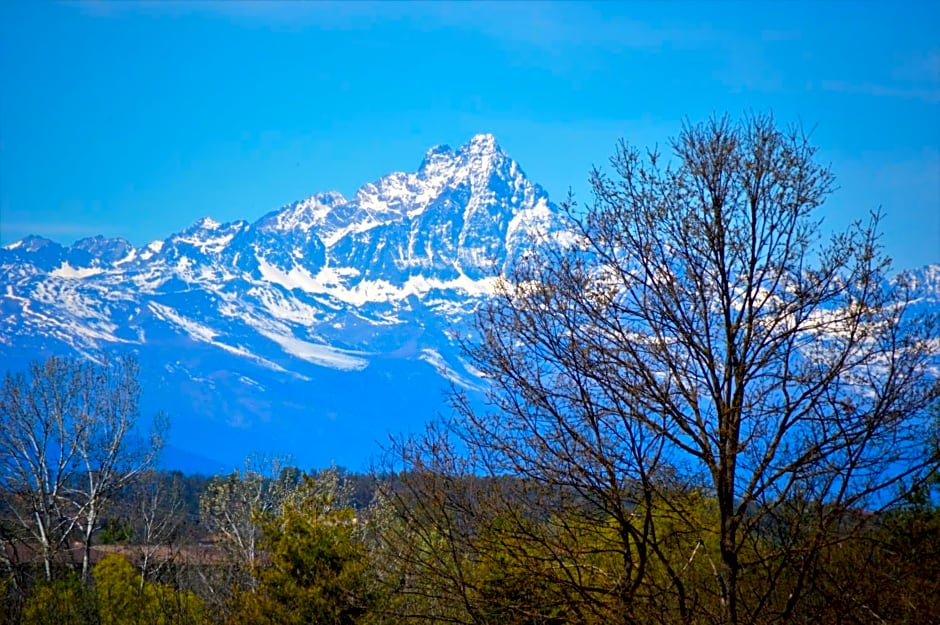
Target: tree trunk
[(86, 546)]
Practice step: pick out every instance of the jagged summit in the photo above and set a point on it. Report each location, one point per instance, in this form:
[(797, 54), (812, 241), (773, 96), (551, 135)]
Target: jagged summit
[(478, 146), (304, 214), (461, 216), (309, 319), (30, 243), (483, 143), (207, 223), (457, 215), (105, 250), (437, 154)]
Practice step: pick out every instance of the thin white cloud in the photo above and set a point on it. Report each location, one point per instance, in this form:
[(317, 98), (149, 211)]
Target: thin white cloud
[(551, 26), (882, 90), (13, 231), (547, 26), (275, 13), (920, 67)]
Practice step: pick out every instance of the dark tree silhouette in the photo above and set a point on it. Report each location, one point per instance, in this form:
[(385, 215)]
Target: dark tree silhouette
[(698, 391)]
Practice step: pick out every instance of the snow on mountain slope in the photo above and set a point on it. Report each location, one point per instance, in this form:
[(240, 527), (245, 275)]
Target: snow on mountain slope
[(321, 314), (314, 330)]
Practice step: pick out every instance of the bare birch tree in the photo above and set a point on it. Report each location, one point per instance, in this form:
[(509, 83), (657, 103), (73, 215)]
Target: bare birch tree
[(157, 515), (37, 453), (68, 442), (232, 507)]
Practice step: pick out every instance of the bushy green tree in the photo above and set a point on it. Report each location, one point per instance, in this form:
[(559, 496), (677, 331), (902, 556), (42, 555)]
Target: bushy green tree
[(62, 602), (316, 567), (124, 598)]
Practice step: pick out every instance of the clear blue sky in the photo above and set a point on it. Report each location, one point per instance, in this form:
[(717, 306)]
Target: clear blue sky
[(135, 119)]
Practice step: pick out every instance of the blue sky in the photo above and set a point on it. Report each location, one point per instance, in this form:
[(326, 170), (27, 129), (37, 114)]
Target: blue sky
[(136, 119)]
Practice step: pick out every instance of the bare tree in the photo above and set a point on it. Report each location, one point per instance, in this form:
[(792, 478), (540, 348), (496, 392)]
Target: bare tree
[(111, 452), (233, 505), (157, 516), (37, 455), (698, 337), (68, 443)]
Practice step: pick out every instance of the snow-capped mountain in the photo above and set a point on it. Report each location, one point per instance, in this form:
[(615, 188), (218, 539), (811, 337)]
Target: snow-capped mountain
[(314, 330)]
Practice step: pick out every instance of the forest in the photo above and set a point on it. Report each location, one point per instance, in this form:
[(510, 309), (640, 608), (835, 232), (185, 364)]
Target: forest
[(701, 408)]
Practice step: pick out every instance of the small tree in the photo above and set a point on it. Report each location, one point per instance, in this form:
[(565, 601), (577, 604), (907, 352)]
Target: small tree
[(122, 598), (111, 452), (698, 335), (231, 508), (318, 568), (155, 518), (68, 443)]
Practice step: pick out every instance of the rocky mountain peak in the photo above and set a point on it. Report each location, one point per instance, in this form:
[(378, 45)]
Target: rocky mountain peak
[(435, 156), (328, 290), (33, 243), (483, 144), (303, 215), (481, 153), (107, 250)]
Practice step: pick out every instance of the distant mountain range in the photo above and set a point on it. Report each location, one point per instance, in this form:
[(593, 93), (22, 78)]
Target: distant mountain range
[(314, 331)]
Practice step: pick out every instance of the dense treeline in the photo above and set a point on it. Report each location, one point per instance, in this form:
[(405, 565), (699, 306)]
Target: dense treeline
[(322, 557), (699, 410)]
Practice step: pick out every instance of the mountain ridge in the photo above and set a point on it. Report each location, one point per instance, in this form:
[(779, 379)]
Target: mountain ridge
[(313, 330), (237, 324)]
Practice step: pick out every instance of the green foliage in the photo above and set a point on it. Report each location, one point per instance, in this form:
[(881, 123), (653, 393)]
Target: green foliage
[(318, 563), (892, 576), (517, 582), (124, 598), (318, 570), (62, 602), (115, 532)]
